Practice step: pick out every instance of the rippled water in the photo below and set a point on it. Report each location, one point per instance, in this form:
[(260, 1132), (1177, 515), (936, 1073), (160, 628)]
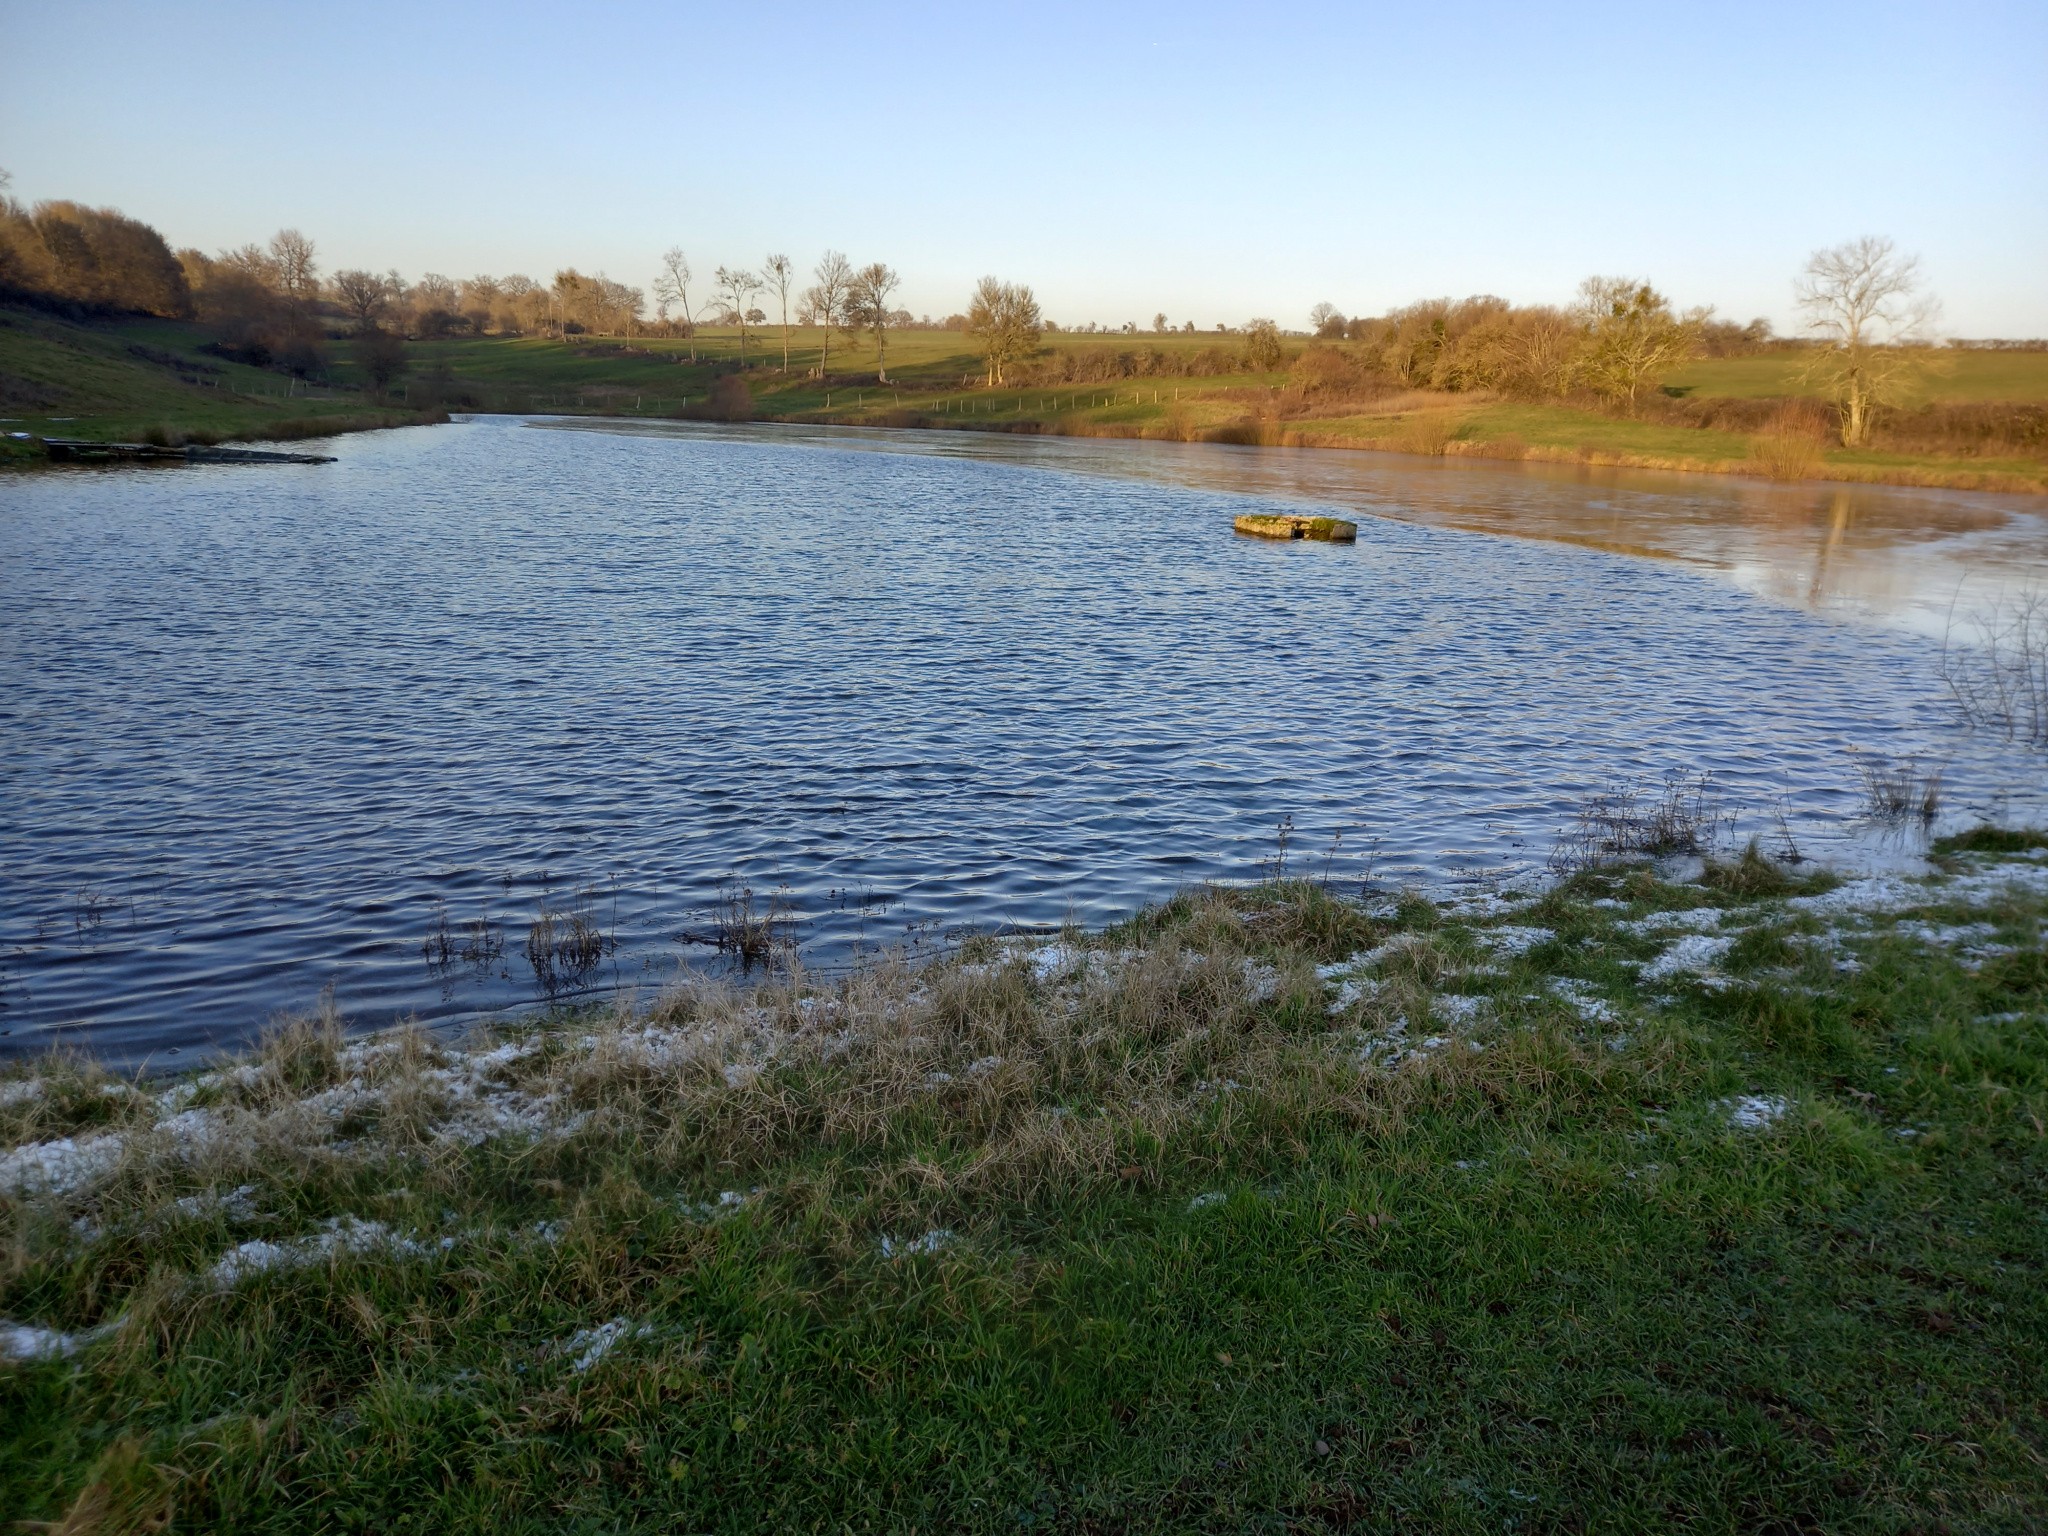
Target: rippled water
[(268, 730)]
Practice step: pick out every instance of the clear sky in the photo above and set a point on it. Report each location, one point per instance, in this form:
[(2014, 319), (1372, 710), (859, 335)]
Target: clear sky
[(1215, 162)]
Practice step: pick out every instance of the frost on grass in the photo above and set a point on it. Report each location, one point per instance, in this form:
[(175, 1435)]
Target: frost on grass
[(27, 1343), (1694, 955), (1756, 1111), (1509, 941), (59, 1167), (1693, 919), (590, 1345), (912, 1247), (343, 1235), (1582, 1000)]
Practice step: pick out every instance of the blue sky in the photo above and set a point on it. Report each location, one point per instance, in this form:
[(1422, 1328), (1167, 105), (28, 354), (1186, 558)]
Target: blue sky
[(1215, 162)]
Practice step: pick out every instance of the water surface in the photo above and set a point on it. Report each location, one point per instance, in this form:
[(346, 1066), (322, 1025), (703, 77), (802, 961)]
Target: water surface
[(269, 730)]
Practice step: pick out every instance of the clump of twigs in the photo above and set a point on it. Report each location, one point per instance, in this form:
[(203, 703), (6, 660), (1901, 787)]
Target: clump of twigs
[(1899, 791), (1626, 820), (565, 944), (475, 943), (741, 925), (1998, 673)]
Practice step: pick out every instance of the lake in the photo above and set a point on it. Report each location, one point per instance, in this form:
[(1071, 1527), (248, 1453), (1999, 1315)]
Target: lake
[(272, 730)]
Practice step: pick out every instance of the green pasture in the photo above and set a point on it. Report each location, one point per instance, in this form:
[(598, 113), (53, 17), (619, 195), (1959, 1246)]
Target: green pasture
[(1946, 377)]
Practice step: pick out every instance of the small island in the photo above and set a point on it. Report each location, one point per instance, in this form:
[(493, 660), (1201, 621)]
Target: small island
[(1286, 525)]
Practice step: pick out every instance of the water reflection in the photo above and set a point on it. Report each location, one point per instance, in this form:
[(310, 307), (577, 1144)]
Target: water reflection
[(1900, 556)]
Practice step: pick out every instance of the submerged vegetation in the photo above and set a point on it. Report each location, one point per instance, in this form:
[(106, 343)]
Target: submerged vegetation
[(1629, 1204)]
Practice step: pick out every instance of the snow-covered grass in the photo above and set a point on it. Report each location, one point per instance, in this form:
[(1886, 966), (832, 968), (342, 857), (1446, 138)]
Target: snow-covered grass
[(938, 1245)]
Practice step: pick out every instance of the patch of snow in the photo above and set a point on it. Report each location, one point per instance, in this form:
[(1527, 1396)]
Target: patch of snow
[(1486, 904), (591, 1345), (1582, 1000), (1203, 1202), (931, 1242), (22, 1091), (1693, 919), (338, 1236), (235, 1205), (26, 1342), (1693, 955), (981, 1066), (1355, 990), (64, 1166), (1510, 941), (1756, 1111), (1457, 1008)]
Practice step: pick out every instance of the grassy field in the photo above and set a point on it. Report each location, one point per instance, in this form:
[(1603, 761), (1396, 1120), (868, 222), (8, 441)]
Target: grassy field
[(120, 380), (1633, 1206), (1952, 377)]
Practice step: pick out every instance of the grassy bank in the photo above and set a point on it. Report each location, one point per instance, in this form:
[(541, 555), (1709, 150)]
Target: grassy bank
[(1633, 1205), (139, 379), (937, 382)]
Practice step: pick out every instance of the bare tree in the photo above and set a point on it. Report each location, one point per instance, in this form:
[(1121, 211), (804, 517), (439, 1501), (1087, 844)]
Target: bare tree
[(867, 309), (1631, 337), (737, 286), (826, 299), (780, 272), (1004, 318), (363, 296), (672, 286), (1863, 300), (298, 278)]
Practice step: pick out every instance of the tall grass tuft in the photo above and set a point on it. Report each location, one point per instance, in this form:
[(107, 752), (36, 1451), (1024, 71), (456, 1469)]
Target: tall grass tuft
[(1792, 445), (1623, 820), (1899, 791)]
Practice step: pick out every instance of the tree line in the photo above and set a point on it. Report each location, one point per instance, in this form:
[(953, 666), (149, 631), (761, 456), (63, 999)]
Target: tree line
[(1864, 304)]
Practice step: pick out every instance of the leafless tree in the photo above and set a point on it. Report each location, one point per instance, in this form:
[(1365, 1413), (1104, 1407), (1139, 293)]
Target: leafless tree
[(867, 309), (826, 299), (298, 277), (780, 272), (362, 295), (737, 287), (1004, 318), (1863, 300), (672, 286), (1631, 336)]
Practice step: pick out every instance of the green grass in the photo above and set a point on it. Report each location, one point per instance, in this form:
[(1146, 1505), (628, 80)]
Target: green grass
[(114, 381), (1229, 1249), (1951, 377)]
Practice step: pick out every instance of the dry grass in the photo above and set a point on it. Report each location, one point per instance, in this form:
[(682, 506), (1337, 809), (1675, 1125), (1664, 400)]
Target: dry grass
[(1792, 445), (1625, 820), (1899, 791)]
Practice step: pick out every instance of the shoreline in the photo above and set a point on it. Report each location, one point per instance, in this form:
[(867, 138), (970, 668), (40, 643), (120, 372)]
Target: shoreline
[(1354, 1176), (1997, 482)]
